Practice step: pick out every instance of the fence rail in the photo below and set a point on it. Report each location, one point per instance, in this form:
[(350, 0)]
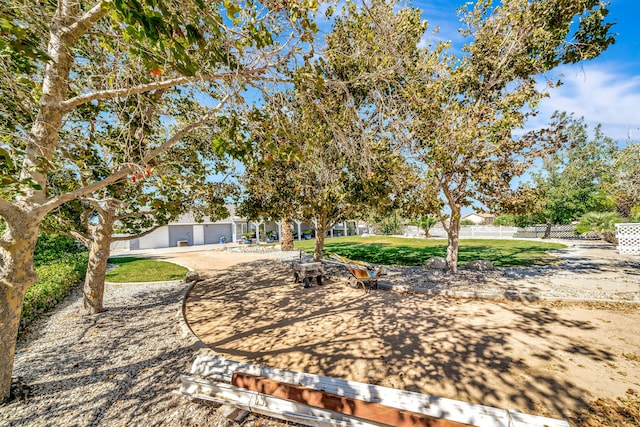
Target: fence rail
[(556, 232)]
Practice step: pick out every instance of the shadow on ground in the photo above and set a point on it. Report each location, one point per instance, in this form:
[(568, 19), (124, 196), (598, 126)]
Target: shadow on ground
[(504, 354), (115, 368)]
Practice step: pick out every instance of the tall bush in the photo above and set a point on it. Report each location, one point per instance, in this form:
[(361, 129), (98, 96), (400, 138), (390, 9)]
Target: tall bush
[(603, 223)]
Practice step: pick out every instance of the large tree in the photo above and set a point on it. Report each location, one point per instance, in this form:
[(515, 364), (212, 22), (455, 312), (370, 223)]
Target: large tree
[(65, 58), (626, 179), (463, 112), (300, 172), (575, 179), (324, 150), (178, 182), (174, 182)]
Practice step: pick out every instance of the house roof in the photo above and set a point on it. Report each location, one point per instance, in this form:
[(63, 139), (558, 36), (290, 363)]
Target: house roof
[(188, 218), (480, 214)]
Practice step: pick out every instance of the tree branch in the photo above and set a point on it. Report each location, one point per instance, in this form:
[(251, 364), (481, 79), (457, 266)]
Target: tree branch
[(127, 169), (184, 131), (71, 103), (78, 28), (82, 238), (66, 197), (137, 236), (115, 93)]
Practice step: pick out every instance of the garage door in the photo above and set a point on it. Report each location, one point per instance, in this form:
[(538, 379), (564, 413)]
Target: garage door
[(180, 232), (213, 233)]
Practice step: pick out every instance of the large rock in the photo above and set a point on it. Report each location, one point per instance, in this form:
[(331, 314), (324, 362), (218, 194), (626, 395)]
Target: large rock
[(480, 265), (436, 263), (192, 276)]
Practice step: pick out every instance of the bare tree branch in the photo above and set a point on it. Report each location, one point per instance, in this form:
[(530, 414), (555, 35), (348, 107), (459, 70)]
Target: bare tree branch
[(127, 169), (71, 103), (137, 236), (78, 28), (186, 130)]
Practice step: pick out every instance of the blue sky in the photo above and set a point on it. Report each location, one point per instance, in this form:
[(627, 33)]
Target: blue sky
[(605, 90)]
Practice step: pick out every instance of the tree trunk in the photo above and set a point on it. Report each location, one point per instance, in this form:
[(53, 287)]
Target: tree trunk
[(321, 229), (547, 231), (99, 251), (16, 275), (453, 237), (286, 240)]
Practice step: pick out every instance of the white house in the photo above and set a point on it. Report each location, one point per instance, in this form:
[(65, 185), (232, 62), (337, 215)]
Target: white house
[(186, 231), (479, 218), (189, 232)]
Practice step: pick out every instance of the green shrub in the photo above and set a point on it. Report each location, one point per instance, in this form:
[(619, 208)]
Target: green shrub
[(390, 224), (55, 280), (467, 222), (507, 220), (634, 216), (53, 247), (600, 222)]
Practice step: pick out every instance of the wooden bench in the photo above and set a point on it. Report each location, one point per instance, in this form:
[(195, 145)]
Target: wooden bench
[(315, 400)]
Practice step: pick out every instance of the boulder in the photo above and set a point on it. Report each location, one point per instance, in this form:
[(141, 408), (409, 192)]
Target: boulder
[(436, 263), (192, 276), (480, 265)]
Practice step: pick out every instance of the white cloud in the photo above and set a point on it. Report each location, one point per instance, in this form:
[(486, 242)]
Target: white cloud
[(601, 94)]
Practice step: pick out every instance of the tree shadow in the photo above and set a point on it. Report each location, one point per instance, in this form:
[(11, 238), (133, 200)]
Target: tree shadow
[(495, 353), (116, 367)]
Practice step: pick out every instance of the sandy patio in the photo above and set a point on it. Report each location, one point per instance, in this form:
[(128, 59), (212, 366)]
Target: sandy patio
[(543, 358)]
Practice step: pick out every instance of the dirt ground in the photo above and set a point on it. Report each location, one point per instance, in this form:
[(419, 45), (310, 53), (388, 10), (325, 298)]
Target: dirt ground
[(541, 358)]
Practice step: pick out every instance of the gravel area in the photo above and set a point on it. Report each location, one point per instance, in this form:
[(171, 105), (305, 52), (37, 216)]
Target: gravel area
[(115, 369), (586, 272)]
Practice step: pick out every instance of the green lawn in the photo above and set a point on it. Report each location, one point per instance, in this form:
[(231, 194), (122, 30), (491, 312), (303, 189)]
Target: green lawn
[(133, 269), (399, 251)]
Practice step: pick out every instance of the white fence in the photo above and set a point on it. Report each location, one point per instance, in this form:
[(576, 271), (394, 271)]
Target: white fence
[(628, 238), (562, 231), (477, 232)]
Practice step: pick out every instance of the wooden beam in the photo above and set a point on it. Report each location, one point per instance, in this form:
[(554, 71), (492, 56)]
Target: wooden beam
[(345, 405), (454, 410), (271, 406)]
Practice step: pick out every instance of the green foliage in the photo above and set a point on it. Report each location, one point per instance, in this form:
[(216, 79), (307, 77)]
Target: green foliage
[(507, 220), (52, 247), (575, 179), (467, 222), (600, 222), (634, 214), (626, 183), (425, 222), (463, 107), (402, 251), (389, 224), (321, 151), (56, 277), (132, 269)]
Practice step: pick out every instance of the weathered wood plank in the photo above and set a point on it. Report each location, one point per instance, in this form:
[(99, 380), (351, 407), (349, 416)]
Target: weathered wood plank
[(345, 405), (454, 410), (267, 405)]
